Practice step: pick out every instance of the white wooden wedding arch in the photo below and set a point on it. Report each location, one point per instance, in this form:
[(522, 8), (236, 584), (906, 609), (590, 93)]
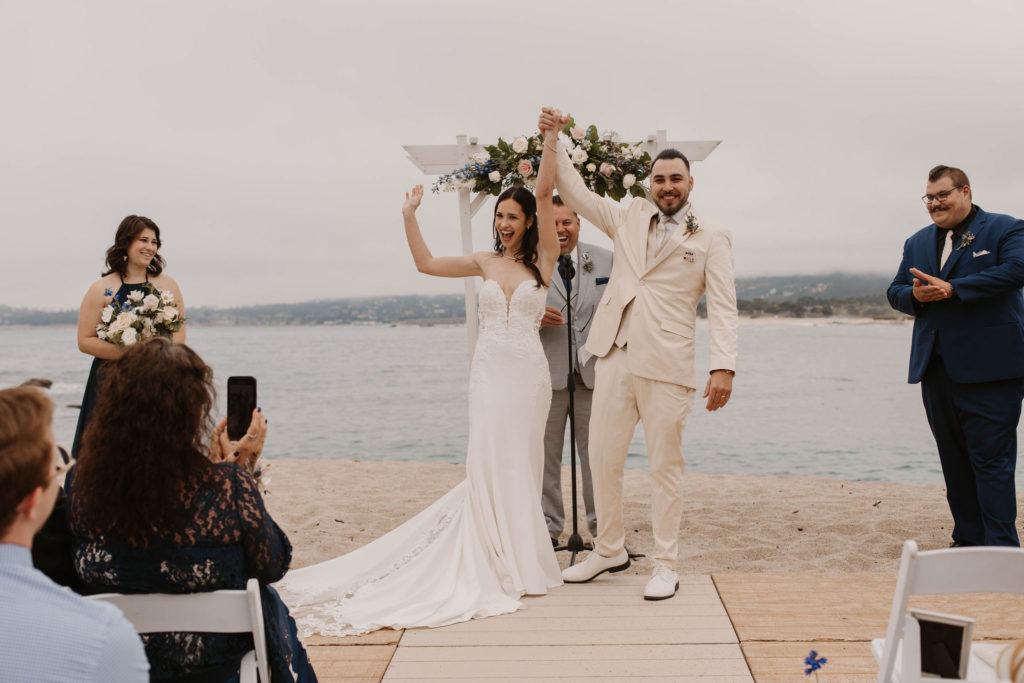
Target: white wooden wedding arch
[(440, 159)]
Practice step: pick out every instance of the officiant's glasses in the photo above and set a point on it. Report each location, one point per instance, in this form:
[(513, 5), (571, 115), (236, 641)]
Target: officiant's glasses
[(939, 196)]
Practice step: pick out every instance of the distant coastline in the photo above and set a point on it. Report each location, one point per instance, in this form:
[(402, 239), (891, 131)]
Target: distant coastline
[(837, 295)]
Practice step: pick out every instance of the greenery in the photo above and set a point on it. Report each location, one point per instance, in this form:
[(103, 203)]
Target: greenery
[(794, 296)]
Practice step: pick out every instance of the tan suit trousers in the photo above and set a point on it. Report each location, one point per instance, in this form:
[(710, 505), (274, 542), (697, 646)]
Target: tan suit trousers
[(621, 399)]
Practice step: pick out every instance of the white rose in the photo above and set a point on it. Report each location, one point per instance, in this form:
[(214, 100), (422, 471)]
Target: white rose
[(135, 296), (579, 155), (122, 322), (519, 145), (170, 314), (101, 333), (578, 132), (607, 169), (591, 167), (150, 302), (129, 336), (494, 177), (107, 312), (628, 180), (167, 297)]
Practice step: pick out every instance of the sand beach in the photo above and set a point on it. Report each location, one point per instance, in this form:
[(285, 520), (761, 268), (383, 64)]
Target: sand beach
[(731, 523)]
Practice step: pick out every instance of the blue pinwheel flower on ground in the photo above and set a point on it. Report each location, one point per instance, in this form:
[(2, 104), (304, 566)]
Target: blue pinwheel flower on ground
[(813, 663)]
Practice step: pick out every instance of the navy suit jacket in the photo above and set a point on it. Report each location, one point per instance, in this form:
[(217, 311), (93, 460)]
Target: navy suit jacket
[(979, 333)]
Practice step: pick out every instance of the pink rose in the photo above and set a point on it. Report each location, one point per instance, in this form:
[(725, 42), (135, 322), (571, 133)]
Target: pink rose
[(607, 169), (578, 132), (525, 168)]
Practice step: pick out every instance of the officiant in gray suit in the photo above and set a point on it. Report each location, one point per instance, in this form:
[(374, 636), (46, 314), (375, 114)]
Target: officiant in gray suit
[(593, 266)]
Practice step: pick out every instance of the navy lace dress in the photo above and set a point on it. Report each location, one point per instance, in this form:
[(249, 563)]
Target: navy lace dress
[(92, 385), (226, 536)]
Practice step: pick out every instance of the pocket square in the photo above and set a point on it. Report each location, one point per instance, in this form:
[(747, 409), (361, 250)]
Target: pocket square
[(601, 281), (981, 253)]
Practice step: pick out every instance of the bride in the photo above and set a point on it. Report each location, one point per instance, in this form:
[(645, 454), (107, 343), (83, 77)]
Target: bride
[(484, 544)]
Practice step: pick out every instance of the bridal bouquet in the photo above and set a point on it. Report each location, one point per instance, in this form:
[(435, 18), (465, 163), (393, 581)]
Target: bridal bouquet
[(608, 166), (145, 313)]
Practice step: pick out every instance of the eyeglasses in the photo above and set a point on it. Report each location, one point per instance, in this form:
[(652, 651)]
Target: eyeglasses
[(65, 464), (939, 196)]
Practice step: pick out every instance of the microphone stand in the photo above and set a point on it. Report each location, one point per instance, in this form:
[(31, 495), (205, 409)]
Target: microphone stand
[(567, 273)]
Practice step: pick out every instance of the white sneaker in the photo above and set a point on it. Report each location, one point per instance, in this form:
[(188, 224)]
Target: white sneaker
[(594, 566), (663, 584)]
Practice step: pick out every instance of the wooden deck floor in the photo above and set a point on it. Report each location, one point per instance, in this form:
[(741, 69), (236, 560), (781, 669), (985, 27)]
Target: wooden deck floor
[(718, 629)]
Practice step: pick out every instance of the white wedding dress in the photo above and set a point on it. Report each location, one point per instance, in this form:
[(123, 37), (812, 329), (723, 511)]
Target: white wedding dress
[(484, 544)]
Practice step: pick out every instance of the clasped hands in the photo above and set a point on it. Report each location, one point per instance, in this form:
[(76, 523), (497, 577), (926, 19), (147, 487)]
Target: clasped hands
[(551, 121), (246, 450), (935, 290)]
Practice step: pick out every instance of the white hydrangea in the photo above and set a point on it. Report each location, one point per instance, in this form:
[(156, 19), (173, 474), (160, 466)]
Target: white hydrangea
[(481, 157), (520, 145), (122, 322), (129, 336), (494, 177), (579, 155), (628, 180)]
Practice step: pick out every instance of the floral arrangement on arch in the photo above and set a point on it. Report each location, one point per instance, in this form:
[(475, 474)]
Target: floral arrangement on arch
[(608, 166), (146, 312)]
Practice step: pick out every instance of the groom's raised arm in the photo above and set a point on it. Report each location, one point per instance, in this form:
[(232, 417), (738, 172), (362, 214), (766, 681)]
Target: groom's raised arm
[(606, 214)]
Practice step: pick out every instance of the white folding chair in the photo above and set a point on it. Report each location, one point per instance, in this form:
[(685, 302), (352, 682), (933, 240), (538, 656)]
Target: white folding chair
[(222, 611), (983, 569)]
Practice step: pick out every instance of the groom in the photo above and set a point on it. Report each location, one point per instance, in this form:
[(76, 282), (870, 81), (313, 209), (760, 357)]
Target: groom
[(667, 257)]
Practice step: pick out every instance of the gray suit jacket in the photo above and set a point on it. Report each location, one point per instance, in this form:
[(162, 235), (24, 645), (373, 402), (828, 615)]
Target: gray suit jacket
[(586, 294)]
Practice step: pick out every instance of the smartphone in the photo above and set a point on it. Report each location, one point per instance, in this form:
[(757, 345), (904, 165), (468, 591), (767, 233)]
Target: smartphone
[(241, 403)]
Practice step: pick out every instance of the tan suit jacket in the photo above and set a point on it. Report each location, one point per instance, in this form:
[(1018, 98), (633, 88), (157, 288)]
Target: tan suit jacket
[(664, 292)]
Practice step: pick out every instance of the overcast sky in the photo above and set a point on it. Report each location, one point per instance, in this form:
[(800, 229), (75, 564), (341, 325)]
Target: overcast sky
[(265, 138)]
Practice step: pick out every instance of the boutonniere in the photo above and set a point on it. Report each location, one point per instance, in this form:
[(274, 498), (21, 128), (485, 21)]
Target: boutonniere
[(966, 240), (692, 225), (588, 265)]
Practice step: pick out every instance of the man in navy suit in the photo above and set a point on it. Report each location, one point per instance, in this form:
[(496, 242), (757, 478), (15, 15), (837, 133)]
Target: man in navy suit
[(961, 279)]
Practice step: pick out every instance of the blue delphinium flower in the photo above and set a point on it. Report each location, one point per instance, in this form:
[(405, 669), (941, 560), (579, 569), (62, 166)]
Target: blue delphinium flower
[(813, 663), (108, 292)]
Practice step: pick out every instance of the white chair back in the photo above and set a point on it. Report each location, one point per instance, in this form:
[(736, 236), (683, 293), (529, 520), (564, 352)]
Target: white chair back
[(982, 569), (222, 611)]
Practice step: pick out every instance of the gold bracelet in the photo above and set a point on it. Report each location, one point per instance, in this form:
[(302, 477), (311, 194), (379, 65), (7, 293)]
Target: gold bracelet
[(553, 148)]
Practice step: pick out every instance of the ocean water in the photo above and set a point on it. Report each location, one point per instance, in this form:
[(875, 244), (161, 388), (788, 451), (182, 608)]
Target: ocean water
[(822, 398)]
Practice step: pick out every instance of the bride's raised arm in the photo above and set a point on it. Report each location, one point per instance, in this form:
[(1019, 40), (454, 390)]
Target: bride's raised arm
[(442, 266), (547, 244)]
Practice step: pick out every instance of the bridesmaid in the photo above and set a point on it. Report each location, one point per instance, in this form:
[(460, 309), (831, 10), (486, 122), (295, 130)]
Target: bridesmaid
[(131, 261)]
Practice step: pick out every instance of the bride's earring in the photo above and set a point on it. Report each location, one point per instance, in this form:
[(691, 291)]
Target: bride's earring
[(124, 258)]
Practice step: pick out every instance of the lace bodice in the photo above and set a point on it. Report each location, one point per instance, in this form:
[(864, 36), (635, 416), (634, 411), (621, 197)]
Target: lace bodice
[(513, 317)]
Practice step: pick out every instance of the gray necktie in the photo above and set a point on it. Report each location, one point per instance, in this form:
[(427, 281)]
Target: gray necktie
[(947, 249)]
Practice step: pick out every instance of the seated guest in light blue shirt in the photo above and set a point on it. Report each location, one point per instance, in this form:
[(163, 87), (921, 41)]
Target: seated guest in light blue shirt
[(47, 632)]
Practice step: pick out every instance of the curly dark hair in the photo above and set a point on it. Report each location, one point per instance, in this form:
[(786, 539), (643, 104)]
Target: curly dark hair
[(26, 448), (129, 229), (144, 450), (527, 254)]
